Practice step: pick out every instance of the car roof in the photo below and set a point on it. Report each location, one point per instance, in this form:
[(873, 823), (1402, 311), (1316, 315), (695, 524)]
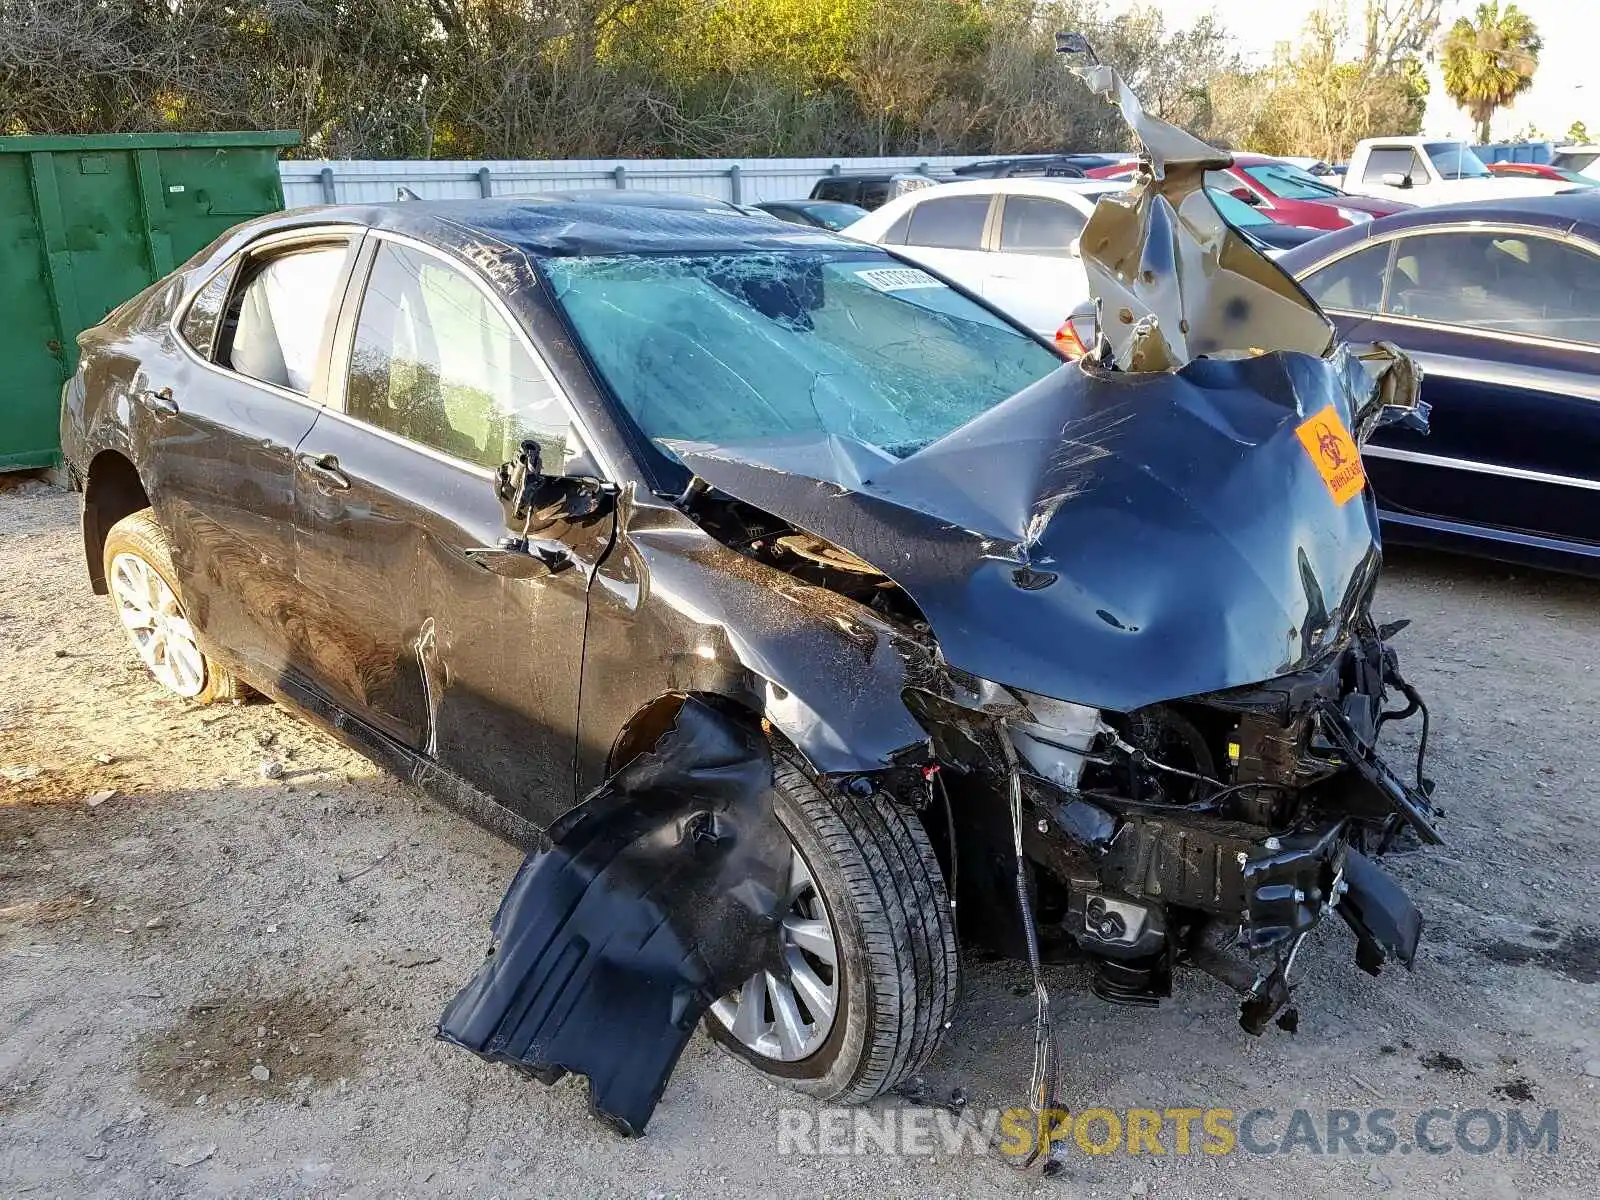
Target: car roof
[(874, 176), (690, 201), (1024, 186), (1576, 212), (556, 228)]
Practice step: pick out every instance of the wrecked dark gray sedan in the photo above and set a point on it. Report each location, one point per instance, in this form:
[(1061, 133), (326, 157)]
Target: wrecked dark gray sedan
[(778, 595)]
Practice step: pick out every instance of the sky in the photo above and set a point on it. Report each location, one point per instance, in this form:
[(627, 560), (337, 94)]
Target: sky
[(1561, 91)]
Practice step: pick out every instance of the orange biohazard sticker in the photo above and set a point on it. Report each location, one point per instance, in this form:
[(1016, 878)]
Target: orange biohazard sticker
[(1333, 452)]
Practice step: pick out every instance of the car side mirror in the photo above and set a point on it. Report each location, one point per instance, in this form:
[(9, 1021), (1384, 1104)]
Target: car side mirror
[(1395, 179), (533, 501), (1397, 398), (1075, 248), (1245, 194)]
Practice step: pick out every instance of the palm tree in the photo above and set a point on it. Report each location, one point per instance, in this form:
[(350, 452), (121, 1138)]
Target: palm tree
[(1489, 60)]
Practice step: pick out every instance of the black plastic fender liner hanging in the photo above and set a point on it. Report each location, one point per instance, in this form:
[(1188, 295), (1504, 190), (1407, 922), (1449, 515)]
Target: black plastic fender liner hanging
[(660, 893)]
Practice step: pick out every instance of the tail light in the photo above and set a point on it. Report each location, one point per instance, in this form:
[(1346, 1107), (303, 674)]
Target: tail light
[(1070, 340)]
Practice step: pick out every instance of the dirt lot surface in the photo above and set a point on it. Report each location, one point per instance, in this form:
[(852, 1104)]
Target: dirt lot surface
[(213, 983)]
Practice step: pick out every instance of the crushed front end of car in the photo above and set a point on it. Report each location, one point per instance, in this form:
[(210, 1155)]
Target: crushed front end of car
[(1155, 686), (1131, 617)]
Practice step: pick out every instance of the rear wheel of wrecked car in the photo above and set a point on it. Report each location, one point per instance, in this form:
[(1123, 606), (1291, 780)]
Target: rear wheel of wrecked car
[(869, 944), (144, 591)]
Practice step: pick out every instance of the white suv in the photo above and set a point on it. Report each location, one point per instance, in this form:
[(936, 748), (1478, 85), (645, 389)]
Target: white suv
[(1012, 241)]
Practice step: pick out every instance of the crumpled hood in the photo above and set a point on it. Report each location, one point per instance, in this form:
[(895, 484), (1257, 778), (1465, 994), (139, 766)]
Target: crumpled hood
[(1114, 539)]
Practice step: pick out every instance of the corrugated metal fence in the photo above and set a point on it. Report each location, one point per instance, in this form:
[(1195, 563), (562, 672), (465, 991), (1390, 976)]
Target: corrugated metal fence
[(744, 181)]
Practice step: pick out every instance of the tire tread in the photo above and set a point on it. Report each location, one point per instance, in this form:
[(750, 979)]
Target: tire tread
[(909, 930)]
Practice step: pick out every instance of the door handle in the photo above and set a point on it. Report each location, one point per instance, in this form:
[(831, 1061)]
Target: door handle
[(159, 401), (324, 468)]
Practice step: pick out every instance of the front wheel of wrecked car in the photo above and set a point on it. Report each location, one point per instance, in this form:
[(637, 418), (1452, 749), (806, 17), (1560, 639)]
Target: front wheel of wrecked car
[(869, 947)]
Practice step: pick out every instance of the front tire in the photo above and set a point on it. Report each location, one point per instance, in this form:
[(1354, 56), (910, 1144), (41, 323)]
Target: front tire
[(866, 887), (144, 590)]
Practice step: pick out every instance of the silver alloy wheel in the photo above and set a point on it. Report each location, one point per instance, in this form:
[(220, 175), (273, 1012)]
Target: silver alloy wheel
[(156, 625), (787, 1017)]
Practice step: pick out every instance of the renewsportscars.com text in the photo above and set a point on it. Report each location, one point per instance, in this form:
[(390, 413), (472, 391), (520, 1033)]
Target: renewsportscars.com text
[(1019, 1132)]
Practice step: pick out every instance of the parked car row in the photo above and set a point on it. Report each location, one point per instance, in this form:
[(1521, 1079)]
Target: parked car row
[(1012, 241)]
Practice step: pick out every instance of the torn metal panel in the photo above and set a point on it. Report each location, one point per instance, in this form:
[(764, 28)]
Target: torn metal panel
[(673, 611), (1174, 280), (661, 891)]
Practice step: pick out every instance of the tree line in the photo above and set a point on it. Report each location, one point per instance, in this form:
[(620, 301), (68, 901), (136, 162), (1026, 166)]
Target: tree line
[(693, 78)]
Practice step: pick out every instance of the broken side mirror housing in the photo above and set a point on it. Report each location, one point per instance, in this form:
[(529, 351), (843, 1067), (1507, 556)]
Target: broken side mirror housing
[(532, 502)]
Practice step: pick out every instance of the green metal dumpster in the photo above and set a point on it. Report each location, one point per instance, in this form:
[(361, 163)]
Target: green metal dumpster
[(87, 222)]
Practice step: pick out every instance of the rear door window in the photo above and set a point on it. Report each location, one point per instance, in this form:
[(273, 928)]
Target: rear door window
[(1512, 282), (1574, 160), (199, 327), (949, 222), (1353, 283), (895, 235), (874, 194), (1395, 160), (276, 323), (1035, 225)]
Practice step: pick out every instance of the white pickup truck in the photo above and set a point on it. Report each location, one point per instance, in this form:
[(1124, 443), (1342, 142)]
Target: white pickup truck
[(1426, 171)]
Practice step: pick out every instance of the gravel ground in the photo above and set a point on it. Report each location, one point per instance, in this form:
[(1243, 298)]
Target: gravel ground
[(213, 983)]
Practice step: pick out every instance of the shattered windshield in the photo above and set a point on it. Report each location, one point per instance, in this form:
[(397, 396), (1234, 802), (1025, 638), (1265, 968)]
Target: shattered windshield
[(726, 347)]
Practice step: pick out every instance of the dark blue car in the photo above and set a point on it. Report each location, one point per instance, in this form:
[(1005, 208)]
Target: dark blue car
[(1499, 301)]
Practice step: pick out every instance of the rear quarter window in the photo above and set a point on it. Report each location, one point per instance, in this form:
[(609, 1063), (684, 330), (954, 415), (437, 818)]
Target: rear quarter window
[(199, 327)]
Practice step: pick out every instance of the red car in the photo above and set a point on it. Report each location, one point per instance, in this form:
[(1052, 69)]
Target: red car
[(1290, 195), (1540, 171)]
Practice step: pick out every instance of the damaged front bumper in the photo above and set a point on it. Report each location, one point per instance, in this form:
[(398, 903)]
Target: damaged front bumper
[(1220, 831)]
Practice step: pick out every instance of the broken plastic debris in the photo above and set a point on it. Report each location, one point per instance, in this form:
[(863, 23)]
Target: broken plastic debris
[(660, 893), (96, 799)]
